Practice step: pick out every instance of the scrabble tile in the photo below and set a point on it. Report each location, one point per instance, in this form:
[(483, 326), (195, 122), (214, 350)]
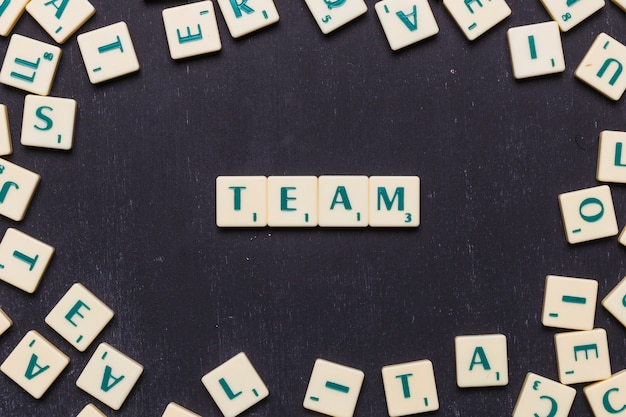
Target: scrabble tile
[(5, 322), (611, 158), (109, 376), (343, 200), (603, 67), (30, 65), (108, 52), (333, 389), (91, 411), (481, 360), (536, 50), (16, 190), (48, 122), (10, 13), (191, 30), (475, 17), (292, 201), (410, 388), (606, 398), (582, 356), (541, 396), (235, 385), (34, 364), (588, 214), (60, 18), (332, 14), (175, 410), (406, 22), (241, 201), (23, 260), (569, 13), (569, 303), (615, 302), (246, 16), (621, 4), (394, 201), (622, 237), (6, 147), (79, 317)]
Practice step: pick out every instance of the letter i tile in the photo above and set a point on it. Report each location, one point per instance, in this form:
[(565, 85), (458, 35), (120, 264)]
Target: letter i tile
[(109, 376), (34, 364), (23, 260), (5, 322), (175, 410), (603, 67), (541, 395), (60, 18), (235, 385), (79, 317), (582, 356), (108, 52), (30, 65), (333, 389), (569, 303), (536, 50), (588, 214), (475, 17), (481, 360), (90, 411), (410, 388), (607, 398)]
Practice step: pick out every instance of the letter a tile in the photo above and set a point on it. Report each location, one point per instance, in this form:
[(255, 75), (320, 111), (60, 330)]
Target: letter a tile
[(60, 18), (109, 376), (603, 67), (35, 364), (406, 22), (481, 361)]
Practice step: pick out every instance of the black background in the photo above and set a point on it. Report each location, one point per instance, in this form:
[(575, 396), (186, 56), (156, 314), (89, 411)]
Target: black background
[(130, 209)]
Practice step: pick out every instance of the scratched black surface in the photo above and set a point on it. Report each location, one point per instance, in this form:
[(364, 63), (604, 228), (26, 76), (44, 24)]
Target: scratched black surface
[(130, 209)]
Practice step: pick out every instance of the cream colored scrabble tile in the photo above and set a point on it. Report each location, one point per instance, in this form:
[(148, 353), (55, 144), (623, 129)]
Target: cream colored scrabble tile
[(34, 364), (569, 13), (608, 398), (333, 14), (612, 157), (343, 200), (536, 50), (109, 376), (543, 397), (292, 201), (615, 302), (6, 147), (79, 317), (410, 388), (622, 237), (30, 65), (48, 122), (481, 360), (60, 18), (91, 411), (588, 214), (175, 410), (241, 201), (246, 16), (333, 389), (582, 356), (394, 201), (23, 260), (476, 17), (5, 322), (108, 52), (569, 303), (235, 385), (621, 4), (17, 187), (603, 67), (191, 30), (406, 22), (10, 13)]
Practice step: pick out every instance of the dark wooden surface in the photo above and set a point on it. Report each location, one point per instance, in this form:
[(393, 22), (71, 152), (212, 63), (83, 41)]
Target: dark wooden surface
[(130, 210)]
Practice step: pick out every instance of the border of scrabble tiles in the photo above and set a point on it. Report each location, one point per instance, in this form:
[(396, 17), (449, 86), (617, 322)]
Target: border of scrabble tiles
[(24, 260), (60, 21), (191, 30), (6, 146), (10, 14), (602, 67), (5, 322), (90, 410)]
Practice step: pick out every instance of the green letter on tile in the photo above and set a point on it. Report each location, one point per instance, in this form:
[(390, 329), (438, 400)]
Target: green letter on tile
[(345, 201), (75, 311), (399, 194), (607, 404), (482, 359)]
